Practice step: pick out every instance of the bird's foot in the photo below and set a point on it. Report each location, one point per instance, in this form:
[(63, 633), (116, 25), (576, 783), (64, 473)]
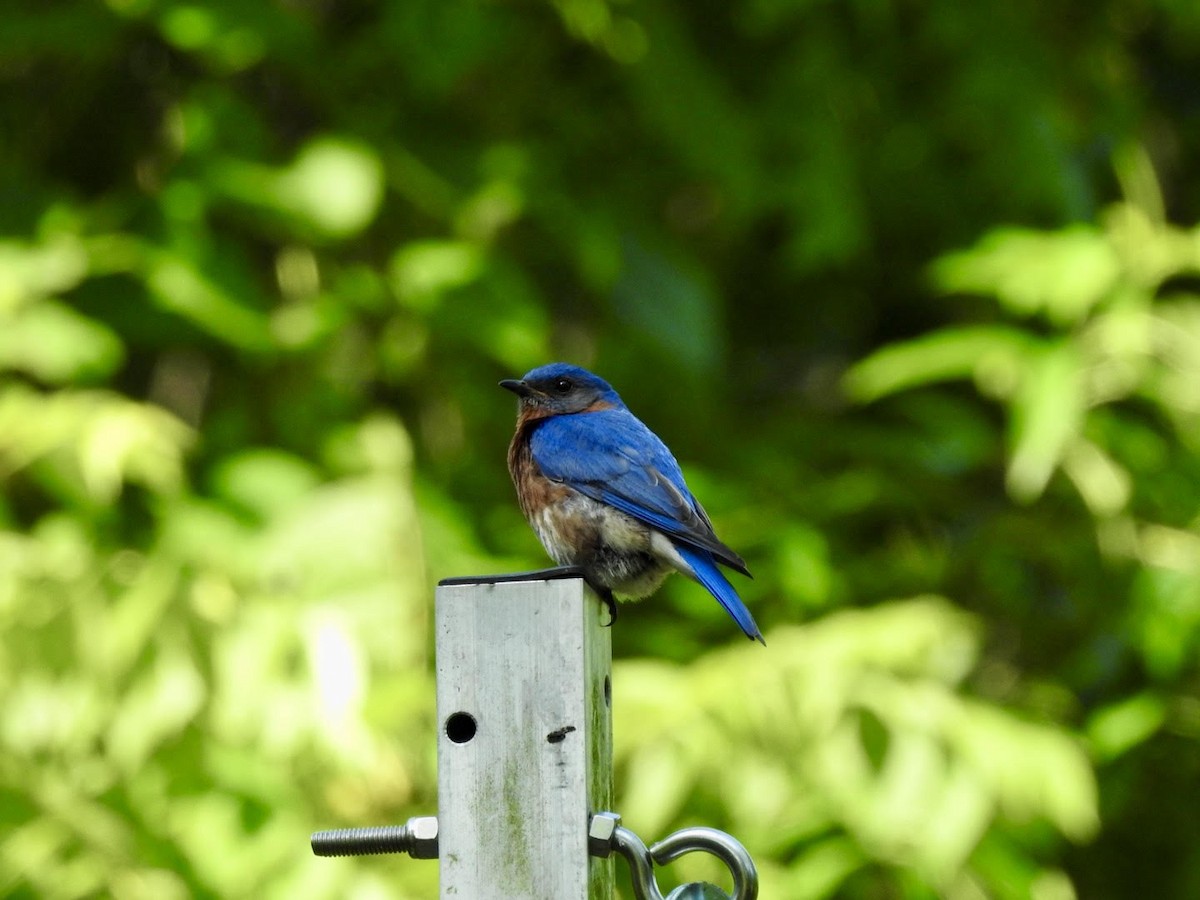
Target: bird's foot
[(610, 601)]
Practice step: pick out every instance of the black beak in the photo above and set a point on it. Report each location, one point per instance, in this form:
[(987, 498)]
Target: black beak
[(520, 388)]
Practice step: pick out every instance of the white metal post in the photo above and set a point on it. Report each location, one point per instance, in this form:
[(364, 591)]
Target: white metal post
[(524, 737)]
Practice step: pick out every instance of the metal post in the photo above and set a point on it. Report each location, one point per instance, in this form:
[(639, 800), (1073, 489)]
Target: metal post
[(524, 737)]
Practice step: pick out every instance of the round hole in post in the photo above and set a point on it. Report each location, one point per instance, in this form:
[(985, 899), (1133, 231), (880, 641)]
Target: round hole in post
[(460, 727)]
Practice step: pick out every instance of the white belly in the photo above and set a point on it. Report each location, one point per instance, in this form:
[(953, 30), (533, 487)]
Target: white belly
[(615, 550)]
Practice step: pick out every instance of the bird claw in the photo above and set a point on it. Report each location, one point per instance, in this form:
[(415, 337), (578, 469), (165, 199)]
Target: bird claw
[(610, 602)]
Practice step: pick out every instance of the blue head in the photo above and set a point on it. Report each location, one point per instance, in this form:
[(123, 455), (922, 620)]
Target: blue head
[(559, 389)]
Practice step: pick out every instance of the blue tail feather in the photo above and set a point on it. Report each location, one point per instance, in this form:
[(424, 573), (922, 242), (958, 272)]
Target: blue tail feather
[(704, 570)]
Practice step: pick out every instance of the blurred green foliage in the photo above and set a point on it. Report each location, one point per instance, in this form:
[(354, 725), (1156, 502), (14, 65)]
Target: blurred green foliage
[(913, 291)]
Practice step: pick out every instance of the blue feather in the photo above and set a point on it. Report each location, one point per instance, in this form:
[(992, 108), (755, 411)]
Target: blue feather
[(612, 457), (705, 571)]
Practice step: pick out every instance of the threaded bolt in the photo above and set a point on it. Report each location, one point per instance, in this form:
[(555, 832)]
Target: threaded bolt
[(417, 838)]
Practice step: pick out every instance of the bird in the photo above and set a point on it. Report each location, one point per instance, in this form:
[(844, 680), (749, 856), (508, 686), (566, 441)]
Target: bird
[(604, 494)]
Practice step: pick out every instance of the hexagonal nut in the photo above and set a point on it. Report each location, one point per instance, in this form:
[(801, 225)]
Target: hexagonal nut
[(601, 828), (424, 833)]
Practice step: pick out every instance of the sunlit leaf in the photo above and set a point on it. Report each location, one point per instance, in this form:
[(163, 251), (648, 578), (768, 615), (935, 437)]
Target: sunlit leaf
[(991, 353), (422, 272), (180, 286), (1062, 274), (108, 439), (821, 868), (336, 184), (42, 715), (1118, 728), (1104, 485), (35, 271), (1166, 616), (1047, 415), (55, 344), (155, 708), (333, 187), (264, 480)]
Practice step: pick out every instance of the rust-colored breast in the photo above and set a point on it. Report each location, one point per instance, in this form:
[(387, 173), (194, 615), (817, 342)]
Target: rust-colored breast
[(534, 490)]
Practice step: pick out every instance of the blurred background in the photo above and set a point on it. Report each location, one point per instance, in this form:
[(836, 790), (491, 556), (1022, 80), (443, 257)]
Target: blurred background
[(911, 288)]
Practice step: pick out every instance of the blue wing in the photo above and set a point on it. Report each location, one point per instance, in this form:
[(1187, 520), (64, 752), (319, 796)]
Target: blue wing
[(610, 456)]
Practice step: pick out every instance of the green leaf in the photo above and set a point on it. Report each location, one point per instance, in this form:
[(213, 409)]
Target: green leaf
[(332, 189), (1118, 728), (1063, 274), (55, 344), (990, 353), (31, 271), (422, 271), (335, 184), (182, 286), (1104, 484), (1047, 416), (265, 480), (155, 708), (104, 439)]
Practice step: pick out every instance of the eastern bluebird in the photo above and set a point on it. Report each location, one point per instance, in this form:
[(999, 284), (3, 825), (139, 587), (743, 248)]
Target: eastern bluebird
[(605, 494)]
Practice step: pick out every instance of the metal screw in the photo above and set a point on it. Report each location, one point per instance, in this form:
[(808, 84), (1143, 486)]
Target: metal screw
[(418, 837)]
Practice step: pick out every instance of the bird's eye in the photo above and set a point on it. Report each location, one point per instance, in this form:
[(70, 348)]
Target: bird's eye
[(563, 386)]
